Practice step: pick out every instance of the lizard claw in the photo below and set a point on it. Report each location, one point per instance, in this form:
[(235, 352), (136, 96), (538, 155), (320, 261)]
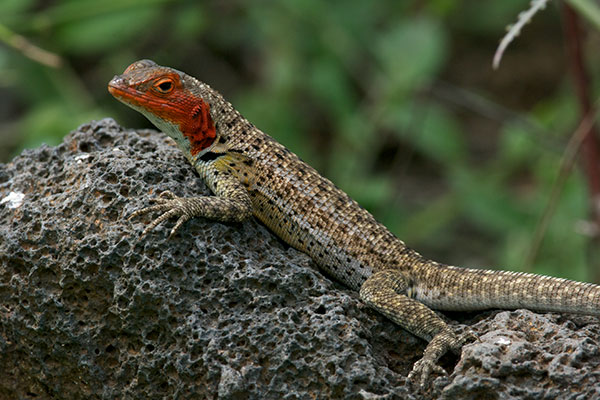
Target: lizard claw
[(423, 369), (170, 205), (442, 342), (162, 199), (167, 194)]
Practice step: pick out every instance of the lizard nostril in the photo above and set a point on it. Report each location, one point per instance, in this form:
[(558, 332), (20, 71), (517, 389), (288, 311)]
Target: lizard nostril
[(115, 81)]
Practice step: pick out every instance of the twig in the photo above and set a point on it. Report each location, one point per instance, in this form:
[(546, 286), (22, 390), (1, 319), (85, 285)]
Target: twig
[(28, 49), (591, 145), (514, 30)]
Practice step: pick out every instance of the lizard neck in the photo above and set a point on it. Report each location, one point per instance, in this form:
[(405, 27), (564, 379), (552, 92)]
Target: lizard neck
[(221, 111), (187, 117), (208, 124), (232, 128)]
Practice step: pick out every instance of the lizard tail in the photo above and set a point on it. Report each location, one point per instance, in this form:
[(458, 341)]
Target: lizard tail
[(473, 289)]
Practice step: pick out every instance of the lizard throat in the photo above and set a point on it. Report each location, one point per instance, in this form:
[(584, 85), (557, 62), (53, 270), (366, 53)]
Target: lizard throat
[(198, 127)]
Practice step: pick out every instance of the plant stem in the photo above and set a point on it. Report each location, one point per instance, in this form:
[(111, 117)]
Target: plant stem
[(590, 148)]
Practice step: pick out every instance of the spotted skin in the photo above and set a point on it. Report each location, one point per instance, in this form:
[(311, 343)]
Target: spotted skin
[(252, 174)]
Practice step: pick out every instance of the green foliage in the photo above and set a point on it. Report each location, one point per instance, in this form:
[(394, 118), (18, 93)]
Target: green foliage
[(353, 87), (590, 9), (410, 54)]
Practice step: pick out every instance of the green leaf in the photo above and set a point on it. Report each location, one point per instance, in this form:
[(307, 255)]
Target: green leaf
[(441, 137), (410, 54), (430, 129), (276, 118), (589, 9), (486, 201), (516, 145), (190, 21), (331, 87), (423, 224), (106, 31), (10, 7), (48, 123)]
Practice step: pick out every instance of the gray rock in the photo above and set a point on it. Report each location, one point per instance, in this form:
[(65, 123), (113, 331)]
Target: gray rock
[(524, 355), (91, 310)]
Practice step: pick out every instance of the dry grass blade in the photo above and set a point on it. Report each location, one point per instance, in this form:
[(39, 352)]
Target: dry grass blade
[(514, 30), (566, 164)]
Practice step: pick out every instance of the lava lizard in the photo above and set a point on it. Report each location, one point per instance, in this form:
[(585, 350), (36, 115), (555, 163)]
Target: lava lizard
[(252, 174)]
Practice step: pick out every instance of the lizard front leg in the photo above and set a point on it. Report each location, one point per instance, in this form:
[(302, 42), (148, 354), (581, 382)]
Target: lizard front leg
[(231, 204), (386, 291)]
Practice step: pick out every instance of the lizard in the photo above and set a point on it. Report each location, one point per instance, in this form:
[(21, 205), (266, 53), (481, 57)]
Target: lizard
[(251, 174)]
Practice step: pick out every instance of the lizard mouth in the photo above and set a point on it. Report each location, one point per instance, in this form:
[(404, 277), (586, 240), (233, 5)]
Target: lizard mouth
[(120, 90)]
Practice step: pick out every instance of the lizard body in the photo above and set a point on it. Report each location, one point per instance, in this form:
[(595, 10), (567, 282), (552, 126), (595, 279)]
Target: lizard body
[(252, 174)]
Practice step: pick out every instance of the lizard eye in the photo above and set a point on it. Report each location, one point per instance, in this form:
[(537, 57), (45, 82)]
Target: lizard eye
[(163, 86)]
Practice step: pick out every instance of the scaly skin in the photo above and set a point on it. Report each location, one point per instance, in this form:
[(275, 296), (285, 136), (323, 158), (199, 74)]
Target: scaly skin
[(251, 174)]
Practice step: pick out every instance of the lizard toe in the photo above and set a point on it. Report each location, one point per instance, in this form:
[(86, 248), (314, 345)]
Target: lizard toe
[(167, 194), (168, 213), (146, 210), (422, 370), (182, 219)]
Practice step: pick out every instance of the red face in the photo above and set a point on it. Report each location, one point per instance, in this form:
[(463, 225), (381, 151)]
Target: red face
[(160, 93)]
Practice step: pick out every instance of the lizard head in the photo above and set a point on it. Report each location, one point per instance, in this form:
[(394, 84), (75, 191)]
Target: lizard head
[(165, 97)]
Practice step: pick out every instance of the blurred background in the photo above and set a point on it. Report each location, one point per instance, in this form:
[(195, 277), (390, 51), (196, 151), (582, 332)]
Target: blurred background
[(394, 101)]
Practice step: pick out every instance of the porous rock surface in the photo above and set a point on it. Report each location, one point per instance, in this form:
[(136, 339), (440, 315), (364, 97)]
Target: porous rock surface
[(91, 310)]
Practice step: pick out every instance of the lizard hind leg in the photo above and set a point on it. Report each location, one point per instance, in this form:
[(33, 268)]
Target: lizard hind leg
[(385, 291)]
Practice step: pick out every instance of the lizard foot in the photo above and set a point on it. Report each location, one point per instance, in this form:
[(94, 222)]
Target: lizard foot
[(423, 369), (439, 345), (170, 205)]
